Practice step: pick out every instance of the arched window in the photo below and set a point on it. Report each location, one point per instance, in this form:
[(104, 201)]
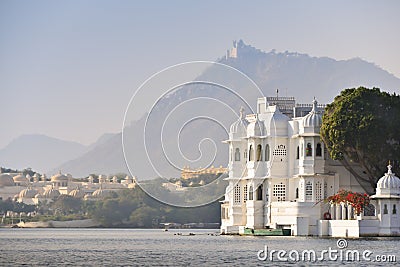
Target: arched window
[(266, 158), (237, 154), (259, 192), (251, 192), (258, 155), (394, 209), (297, 192), (245, 155), (385, 209), (251, 153), (308, 150), (309, 190), (236, 195), (318, 150), (245, 193), (298, 152)]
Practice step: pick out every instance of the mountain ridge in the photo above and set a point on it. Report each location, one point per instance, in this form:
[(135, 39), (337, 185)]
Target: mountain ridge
[(301, 75), (38, 151)]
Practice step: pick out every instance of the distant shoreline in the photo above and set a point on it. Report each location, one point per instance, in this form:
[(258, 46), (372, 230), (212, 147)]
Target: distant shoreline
[(85, 223)]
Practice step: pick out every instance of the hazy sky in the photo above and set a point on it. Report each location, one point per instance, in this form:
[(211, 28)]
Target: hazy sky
[(68, 68)]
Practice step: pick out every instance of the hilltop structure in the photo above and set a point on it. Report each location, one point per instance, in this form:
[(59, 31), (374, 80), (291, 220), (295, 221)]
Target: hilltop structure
[(280, 173)]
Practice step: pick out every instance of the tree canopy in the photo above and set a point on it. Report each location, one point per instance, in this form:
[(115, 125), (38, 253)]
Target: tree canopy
[(361, 128)]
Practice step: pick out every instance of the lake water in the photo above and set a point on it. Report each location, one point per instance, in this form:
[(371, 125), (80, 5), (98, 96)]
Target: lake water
[(139, 247)]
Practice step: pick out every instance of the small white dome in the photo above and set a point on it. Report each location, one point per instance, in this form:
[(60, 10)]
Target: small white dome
[(389, 184), (78, 193), (314, 118), (100, 193), (256, 128), (239, 127), (278, 125), (6, 180), (51, 193), (21, 179), (28, 193), (59, 177)]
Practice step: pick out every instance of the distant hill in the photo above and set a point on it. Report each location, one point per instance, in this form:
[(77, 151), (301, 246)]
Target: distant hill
[(101, 140), (40, 152), (304, 76), (298, 75), (103, 158)]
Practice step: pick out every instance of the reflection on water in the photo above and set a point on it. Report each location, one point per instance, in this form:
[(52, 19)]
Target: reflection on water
[(138, 247)]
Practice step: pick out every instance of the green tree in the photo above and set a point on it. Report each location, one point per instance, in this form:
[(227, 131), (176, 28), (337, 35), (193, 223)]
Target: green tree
[(361, 129), (67, 204), (9, 205), (145, 217), (6, 205)]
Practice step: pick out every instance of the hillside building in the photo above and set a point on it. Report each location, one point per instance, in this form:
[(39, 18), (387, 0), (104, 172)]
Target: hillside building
[(32, 190)]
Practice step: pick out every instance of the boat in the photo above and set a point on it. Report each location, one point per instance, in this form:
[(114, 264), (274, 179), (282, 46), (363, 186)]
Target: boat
[(267, 232)]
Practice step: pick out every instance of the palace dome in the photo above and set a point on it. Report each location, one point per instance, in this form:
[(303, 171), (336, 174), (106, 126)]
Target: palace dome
[(100, 193), (256, 128), (278, 125), (21, 179), (59, 177), (6, 180), (389, 184), (239, 127), (78, 193), (28, 193), (314, 118), (51, 193)]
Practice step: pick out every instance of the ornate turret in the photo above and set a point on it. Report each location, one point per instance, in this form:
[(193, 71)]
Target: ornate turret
[(388, 185), (314, 118), (238, 129)]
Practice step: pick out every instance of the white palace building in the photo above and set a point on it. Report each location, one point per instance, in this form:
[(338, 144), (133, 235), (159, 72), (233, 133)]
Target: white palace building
[(280, 173)]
